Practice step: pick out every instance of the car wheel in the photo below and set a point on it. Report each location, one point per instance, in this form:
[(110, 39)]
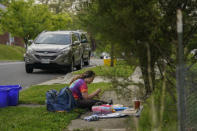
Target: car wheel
[(29, 68), (71, 67), (87, 62), (80, 66)]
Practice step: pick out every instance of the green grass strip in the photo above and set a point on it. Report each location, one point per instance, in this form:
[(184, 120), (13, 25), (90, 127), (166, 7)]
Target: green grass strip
[(37, 94), (11, 52), (121, 69), (38, 118), (34, 119)]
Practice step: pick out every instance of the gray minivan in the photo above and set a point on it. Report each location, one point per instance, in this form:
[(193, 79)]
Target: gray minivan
[(57, 50)]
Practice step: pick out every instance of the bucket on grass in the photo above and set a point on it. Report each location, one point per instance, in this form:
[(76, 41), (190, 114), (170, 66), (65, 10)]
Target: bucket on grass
[(107, 61), (9, 95), (3, 98)]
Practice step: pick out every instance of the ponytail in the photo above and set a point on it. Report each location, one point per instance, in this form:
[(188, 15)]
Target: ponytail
[(86, 74)]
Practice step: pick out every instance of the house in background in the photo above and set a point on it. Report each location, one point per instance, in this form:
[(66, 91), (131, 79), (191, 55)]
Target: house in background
[(7, 38)]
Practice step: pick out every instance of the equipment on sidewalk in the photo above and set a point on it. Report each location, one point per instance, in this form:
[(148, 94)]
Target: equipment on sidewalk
[(112, 111)]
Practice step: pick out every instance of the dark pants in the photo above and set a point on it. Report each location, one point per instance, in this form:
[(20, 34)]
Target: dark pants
[(88, 103)]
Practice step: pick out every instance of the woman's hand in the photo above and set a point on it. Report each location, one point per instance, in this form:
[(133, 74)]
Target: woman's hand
[(90, 96), (98, 91)]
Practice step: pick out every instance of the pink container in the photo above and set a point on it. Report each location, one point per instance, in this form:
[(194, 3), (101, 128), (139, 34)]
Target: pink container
[(96, 110), (106, 110), (101, 110)]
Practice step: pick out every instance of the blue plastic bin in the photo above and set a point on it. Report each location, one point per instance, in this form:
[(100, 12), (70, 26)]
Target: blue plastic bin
[(3, 98), (12, 94)]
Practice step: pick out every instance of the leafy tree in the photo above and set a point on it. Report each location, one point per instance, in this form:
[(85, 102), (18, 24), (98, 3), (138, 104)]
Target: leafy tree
[(5, 2), (127, 23), (58, 6), (25, 19), (61, 21), (147, 30)]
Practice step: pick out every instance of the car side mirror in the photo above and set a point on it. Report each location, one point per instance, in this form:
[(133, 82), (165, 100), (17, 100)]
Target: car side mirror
[(76, 43), (30, 41), (84, 41)]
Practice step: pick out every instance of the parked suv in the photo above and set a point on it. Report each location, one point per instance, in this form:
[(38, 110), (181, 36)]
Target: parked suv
[(57, 50)]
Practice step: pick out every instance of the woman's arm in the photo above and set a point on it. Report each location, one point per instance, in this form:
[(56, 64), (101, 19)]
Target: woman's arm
[(85, 95)]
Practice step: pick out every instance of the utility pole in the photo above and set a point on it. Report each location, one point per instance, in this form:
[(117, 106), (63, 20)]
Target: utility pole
[(180, 73)]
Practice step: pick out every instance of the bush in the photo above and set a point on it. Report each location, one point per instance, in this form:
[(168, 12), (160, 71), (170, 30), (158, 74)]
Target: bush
[(169, 121)]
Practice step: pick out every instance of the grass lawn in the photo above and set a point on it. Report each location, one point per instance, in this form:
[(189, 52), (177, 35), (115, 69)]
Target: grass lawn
[(38, 118), (121, 69), (34, 119), (37, 94), (11, 52)]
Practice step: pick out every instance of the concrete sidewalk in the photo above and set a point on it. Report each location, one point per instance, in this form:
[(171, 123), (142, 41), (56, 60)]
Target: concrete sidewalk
[(110, 124)]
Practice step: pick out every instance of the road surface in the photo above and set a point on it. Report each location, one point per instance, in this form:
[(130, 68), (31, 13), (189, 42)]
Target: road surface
[(13, 73)]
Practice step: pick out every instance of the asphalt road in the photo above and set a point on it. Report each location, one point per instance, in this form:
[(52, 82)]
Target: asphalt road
[(13, 73)]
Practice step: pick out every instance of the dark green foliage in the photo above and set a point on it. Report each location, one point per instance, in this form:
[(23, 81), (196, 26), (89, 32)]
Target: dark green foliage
[(130, 24), (138, 28)]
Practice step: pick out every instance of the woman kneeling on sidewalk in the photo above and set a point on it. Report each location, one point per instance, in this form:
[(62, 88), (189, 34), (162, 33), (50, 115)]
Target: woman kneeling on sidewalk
[(79, 88)]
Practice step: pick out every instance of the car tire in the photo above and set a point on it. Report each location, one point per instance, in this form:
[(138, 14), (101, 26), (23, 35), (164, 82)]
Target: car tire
[(87, 62), (29, 68), (80, 66), (71, 67)]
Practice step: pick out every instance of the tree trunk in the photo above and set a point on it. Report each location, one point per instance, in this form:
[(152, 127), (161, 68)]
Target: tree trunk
[(93, 43), (150, 68), (145, 78), (112, 55), (26, 42), (147, 62)]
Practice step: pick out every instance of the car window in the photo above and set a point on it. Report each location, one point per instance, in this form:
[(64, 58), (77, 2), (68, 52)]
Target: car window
[(74, 38), (58, 39), (77, 35), (83, 37)]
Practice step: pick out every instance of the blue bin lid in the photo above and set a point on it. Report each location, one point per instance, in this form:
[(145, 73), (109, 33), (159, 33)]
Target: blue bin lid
[(10, 87), (4, 89)]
